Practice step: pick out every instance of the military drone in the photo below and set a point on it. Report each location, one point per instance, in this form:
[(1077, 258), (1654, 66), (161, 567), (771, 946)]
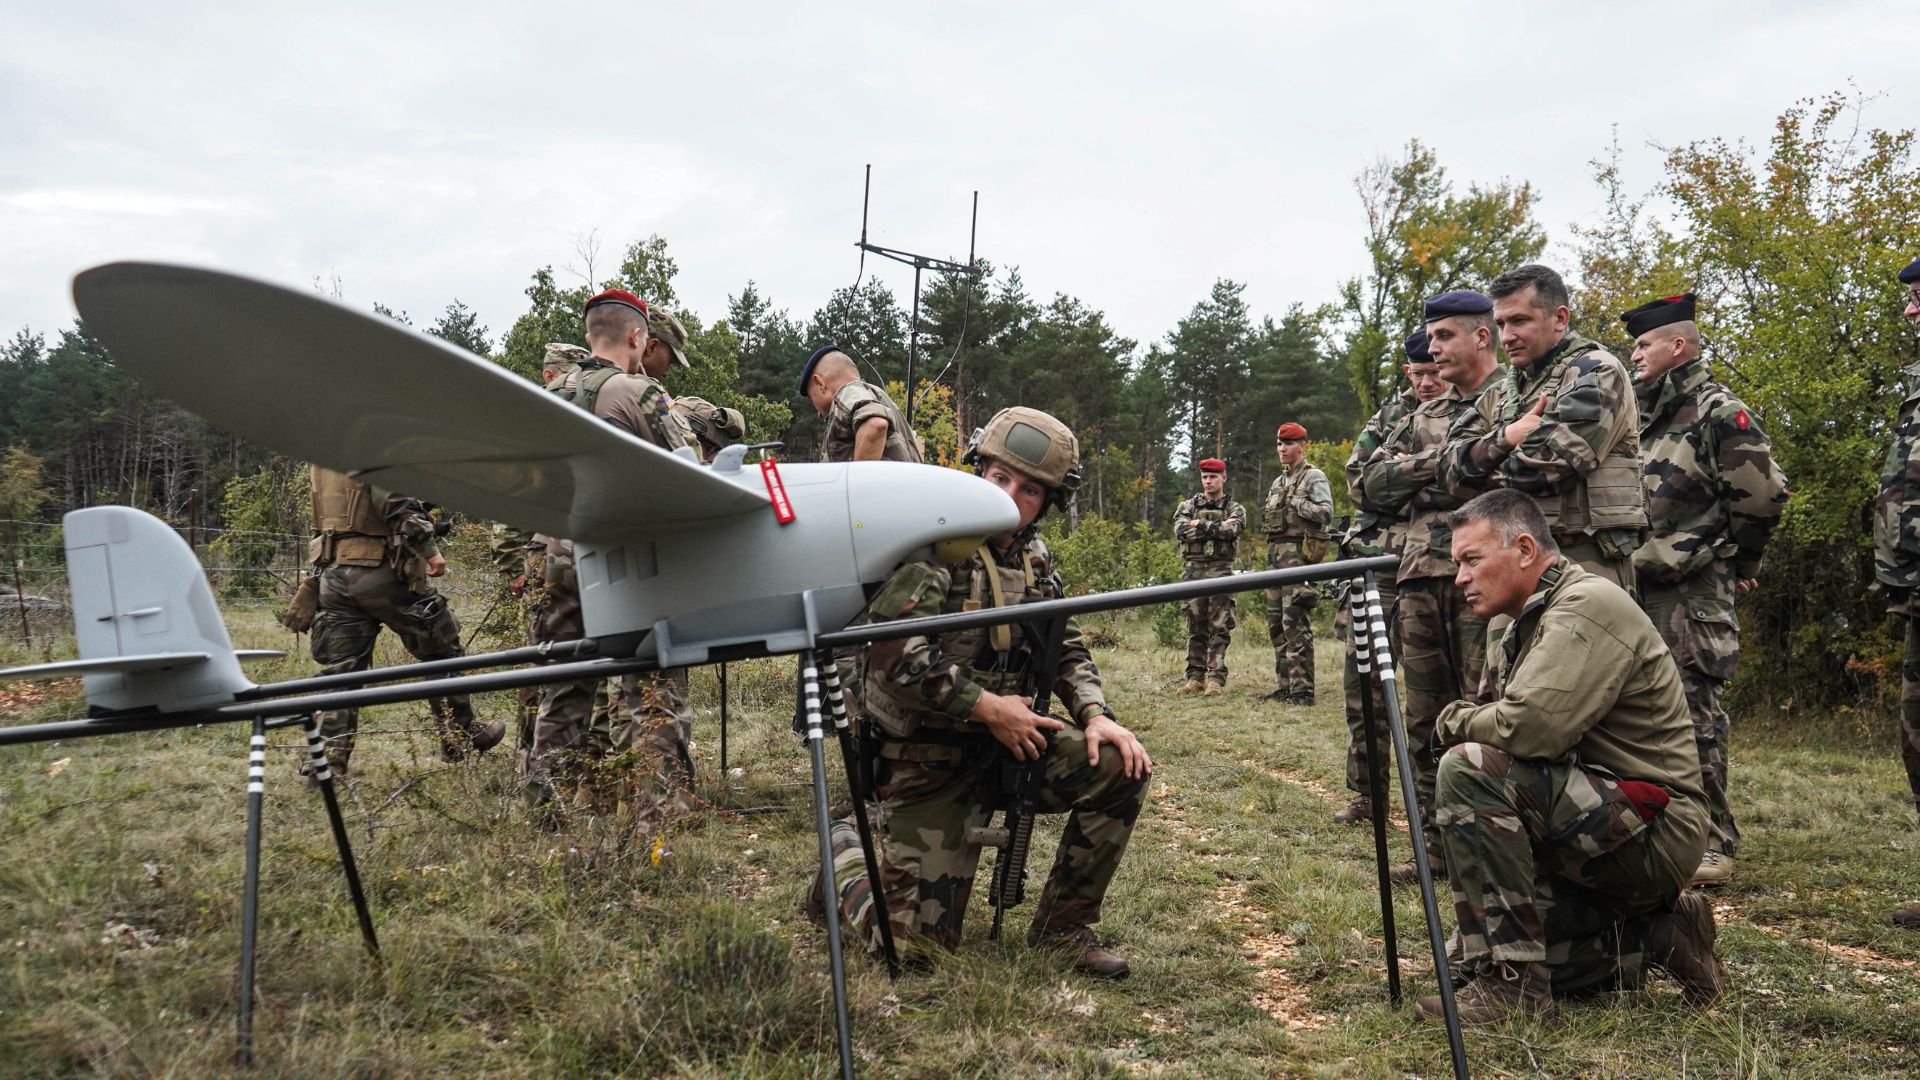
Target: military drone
[(679, 563)]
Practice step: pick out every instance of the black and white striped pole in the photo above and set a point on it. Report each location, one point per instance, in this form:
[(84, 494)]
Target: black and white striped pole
[(250, 888), (836, 958), (857, 788), (1409, 792), (1360, 627), (322, 775)]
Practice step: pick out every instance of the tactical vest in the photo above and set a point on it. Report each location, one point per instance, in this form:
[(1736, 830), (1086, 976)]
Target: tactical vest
[(998, 658), (1610, 497), (349, 527), (581, 386), (1278, 519), (1209, 548)]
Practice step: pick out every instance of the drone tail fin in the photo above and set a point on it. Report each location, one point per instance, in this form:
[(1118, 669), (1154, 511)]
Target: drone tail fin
[(144, 618)]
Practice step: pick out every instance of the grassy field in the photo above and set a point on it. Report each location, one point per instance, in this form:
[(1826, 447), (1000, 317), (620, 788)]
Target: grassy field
[(1250, 917)]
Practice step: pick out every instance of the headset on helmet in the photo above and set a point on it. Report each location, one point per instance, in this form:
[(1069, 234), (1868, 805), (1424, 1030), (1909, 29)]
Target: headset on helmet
[(1033, 442)]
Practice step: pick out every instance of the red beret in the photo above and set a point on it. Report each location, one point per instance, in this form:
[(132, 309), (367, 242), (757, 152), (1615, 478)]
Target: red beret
[(1291, 431), (616, 296), (1213, 464)]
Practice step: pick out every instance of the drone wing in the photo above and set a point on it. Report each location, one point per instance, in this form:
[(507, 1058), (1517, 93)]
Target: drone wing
[(316, 380)]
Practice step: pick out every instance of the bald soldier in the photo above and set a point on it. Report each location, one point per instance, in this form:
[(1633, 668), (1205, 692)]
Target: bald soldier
[(1896, 555), (1714, 495), (863, 423), (618, 383), (1569, 805), (1567, 431)]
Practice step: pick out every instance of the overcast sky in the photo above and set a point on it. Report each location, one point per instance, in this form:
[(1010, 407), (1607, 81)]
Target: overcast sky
[(1129, 154)]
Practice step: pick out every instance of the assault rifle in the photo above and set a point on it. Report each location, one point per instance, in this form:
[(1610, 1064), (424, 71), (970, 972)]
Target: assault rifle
[(1021, 782)]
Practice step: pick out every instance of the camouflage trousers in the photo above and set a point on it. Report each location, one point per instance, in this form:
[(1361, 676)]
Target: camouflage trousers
[(1698, 626), (1359, 759), (355, 602), (1290, 622), (1550, 862), (928, 811), (1443, 654), (635, 743), (1210, 626), (1910, 710)]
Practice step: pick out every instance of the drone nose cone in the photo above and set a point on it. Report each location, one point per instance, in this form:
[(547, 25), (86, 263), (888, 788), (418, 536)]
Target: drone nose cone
[(898, 509)]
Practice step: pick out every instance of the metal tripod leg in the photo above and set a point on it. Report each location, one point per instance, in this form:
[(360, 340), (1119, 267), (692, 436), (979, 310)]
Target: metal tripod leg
[(1390, 697), (850, 760), (250, 890), (322, 775), (723, 726), (1361, 630), (836, 959)]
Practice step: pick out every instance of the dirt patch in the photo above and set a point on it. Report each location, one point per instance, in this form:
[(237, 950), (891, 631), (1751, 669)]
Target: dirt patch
[(1729, 914), (1276, 992)]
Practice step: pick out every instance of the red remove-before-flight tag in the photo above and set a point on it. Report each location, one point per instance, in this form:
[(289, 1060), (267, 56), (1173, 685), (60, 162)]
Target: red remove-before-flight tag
[(777, 491)]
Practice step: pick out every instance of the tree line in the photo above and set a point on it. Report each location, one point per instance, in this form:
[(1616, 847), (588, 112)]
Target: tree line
[(1792, 249)]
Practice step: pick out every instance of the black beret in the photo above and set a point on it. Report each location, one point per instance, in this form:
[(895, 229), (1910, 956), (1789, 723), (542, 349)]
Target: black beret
[(1417, 347), (1458, 302), (813, 358), (1911, 274), (1661, 312)]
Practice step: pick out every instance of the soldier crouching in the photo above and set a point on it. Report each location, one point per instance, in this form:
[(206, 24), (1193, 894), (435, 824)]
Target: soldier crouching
[(945, 711), (1570, 806)]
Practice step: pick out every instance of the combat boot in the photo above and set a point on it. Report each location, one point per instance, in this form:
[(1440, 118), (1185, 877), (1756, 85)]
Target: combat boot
[(1716, 868), (1090, 955), (1359, 808), (1213, 690), (1681, 944), (1907, 918), (1192, 686), (1499, 992), (472, 737)]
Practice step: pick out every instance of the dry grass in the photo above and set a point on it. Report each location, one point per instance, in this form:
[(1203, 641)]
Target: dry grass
[(1251, 919)]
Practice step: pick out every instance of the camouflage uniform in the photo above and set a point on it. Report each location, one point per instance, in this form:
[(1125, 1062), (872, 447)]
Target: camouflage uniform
[(936, 771), (371, 550), (1207, 532), (1714, 495), (1896, 559), (855, 404), (1299, 508), (710, 428), (1581, 465), (1549, 857), (651, 744), (1442, 642), (1375, 531)]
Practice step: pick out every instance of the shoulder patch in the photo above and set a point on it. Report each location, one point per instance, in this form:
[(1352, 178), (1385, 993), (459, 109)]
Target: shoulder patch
[(1741, 420)]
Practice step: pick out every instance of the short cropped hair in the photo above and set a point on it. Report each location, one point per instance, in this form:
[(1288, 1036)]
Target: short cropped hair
[(1550, 290), (608, 322), (1510, 513)]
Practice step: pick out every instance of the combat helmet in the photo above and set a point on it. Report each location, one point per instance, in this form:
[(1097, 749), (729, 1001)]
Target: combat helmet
[(1035, 443)]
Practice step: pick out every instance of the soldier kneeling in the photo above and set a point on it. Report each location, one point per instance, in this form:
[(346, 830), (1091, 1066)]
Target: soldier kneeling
[(1570, 807), (945, 712)]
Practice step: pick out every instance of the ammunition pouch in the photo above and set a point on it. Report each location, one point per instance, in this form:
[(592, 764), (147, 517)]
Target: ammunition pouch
[(304, 607)]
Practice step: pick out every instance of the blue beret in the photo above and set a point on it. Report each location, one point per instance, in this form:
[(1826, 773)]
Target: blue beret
[(1911, 274), (813, 358), (1417, 347), (1458, 302)]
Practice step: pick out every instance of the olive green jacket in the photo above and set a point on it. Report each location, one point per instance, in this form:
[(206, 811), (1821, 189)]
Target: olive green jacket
[(1587, 675)]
